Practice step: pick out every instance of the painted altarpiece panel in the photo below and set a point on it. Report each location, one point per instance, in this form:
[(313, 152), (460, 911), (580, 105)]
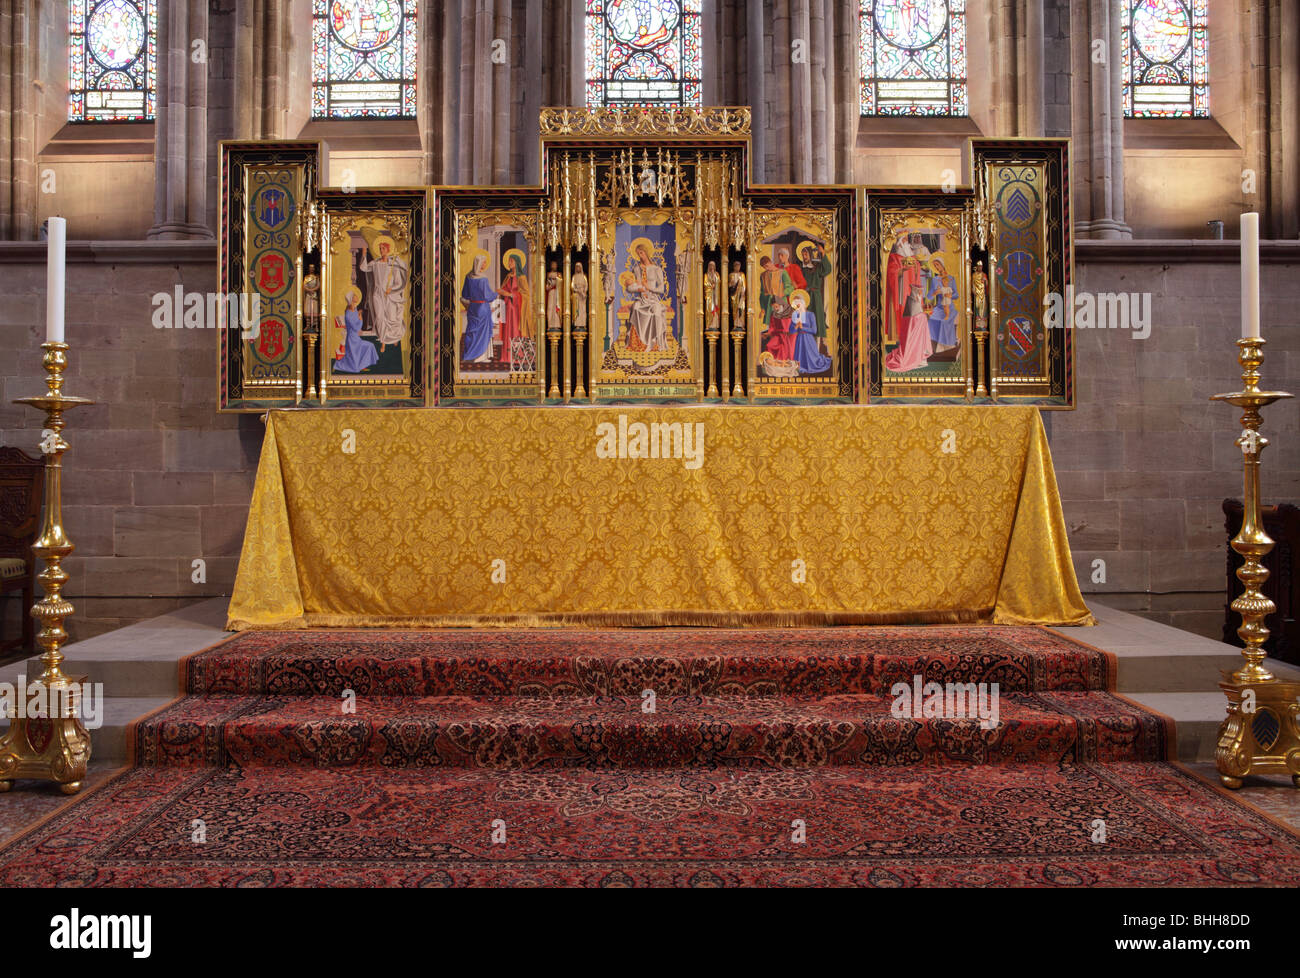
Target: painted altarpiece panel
[(495, 319), (919, 282), (373, 298), (796, 327), (270, 361), (366, 321), (263, 186), (1024, 232), (646, 339)]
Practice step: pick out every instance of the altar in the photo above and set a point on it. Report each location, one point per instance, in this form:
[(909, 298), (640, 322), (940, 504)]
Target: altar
[(649, 390), (643, 516)]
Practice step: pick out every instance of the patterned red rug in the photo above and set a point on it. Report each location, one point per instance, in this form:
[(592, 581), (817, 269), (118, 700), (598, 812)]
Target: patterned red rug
[(771, 758), (1011, 825)]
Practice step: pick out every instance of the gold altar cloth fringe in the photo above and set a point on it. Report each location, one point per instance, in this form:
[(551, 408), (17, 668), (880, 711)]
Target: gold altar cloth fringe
[(796, 516)]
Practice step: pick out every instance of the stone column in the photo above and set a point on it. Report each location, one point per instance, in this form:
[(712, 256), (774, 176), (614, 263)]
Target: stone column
[(1098, 120), (18, 172), (843, 32), (265, 43), (534, 56), (484, 129), (1288, 87), (1016, 57), (436, 93), (248, 112), (756, 73), (1033, 92), (180, 129), (1270, 28), (805, 119), (808, 88)]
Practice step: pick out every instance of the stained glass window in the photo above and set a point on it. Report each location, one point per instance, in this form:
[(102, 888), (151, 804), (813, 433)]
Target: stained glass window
[(913, 57), (363, 58), (112, 60), (643, 52), (1166, 59)]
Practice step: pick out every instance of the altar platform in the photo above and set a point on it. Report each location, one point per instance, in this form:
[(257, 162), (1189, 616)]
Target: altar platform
[(258, 721), (1164, 669), (701, 515)]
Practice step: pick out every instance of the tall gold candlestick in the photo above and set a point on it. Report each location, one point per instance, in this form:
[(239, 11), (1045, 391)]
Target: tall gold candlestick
[(56, 747), (1260, 733)]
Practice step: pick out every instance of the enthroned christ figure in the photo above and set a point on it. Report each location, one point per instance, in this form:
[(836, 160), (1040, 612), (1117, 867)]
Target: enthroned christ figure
[(649, 312)]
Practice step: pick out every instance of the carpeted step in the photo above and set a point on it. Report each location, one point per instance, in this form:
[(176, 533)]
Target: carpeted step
[(672, 662), (511, 732)]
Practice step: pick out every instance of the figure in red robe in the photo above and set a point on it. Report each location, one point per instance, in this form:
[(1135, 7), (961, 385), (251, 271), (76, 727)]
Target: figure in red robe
[(518, 296), (902, 275), (776, 286)]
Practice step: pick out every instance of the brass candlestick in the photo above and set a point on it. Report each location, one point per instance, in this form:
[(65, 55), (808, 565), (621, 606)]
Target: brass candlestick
[(57, 747), (1260, 733)]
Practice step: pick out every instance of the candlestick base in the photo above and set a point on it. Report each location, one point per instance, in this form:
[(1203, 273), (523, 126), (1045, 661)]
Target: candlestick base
[(49, 748), (1260, 734)]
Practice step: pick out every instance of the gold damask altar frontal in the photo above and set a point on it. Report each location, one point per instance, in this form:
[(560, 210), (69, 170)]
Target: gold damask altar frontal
[(655, 516)]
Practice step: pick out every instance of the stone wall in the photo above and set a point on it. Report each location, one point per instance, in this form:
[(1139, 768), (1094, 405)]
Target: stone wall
[(156, 478), (1146, 461)]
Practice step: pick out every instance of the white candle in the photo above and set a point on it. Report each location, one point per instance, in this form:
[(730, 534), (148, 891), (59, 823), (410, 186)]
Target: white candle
[(55, 269), (1249, 275)]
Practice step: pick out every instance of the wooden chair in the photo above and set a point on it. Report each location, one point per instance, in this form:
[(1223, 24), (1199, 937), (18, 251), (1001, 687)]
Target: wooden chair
[(22, 487)]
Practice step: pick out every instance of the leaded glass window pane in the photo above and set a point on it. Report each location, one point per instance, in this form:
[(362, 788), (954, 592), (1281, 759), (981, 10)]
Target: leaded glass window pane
[(643, 52), (1166, 59), (363, 59), (913, 57), (112, 60)]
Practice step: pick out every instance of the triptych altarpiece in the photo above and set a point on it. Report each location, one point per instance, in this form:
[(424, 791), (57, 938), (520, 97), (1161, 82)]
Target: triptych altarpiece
[(647, 268)]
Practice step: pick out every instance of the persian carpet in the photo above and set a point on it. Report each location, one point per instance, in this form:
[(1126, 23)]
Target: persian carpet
[(440, 758)]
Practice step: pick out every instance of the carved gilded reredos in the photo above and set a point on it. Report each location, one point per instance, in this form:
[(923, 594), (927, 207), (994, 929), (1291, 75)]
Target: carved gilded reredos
[(725, 120)]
